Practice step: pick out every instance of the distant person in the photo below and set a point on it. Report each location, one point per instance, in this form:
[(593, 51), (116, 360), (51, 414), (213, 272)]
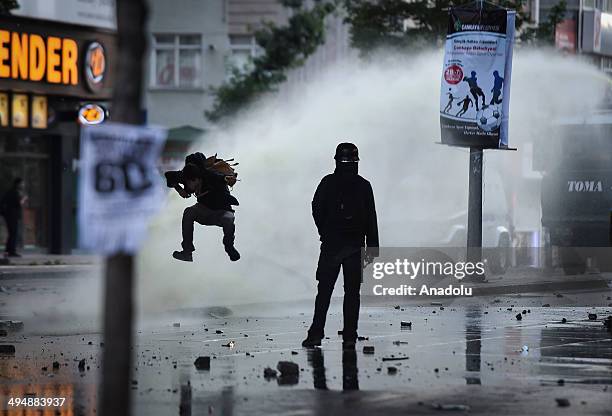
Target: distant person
[(345, 216), (11, 210), (475, 89), (451, 98), (498, 83), (213, 206), (466, 102)]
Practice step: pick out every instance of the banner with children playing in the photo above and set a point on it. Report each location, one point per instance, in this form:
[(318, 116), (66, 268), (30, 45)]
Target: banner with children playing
[(474, 99)]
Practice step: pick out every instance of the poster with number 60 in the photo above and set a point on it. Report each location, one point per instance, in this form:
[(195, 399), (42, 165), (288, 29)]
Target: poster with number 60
[(119, 186)]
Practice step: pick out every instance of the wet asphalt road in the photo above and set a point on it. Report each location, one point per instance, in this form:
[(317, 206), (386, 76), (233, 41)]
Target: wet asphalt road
[(478, 359)]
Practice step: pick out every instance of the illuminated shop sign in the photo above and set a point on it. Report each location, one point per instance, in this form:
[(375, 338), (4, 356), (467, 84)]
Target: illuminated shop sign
[(91, 114), (52, 58)]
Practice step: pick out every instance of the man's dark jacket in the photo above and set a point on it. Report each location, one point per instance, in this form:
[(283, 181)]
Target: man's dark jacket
[(215, 192), (353, 228)]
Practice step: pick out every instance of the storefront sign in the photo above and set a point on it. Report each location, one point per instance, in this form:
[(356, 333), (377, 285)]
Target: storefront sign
[(474, 99), (95, 66), (54, 58), (4, 110), (19, 111), (565, 36), (597, 32), (39, 112), (119, 188), (91, 114)]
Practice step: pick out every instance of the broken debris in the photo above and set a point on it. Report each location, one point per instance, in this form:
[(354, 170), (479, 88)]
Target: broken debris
[(395, 358), (288, 368), (7, 349), (269, 373), (452, 407), (202, 363), (368, 349), (289, 373)]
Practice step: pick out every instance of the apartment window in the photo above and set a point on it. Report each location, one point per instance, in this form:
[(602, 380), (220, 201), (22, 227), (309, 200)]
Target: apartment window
[(243, 49), (177, 61)]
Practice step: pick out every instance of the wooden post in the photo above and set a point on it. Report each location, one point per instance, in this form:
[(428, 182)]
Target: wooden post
[(115, 398)]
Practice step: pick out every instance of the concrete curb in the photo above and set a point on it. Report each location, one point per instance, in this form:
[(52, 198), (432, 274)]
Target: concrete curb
[(55, 271)]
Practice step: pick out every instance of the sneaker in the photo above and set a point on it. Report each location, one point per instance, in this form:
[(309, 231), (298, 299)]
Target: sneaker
[(232, 253), (311, 342), (348, 345), (182, 255)]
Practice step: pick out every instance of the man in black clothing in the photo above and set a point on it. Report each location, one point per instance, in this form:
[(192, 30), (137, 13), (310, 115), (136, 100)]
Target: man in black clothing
[(466, 102), (475, 89), (214, 206), (345, 216), (10, 207)]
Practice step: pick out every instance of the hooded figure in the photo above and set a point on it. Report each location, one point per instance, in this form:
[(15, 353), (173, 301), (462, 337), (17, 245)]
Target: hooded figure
[(11, 210), (345, 215)]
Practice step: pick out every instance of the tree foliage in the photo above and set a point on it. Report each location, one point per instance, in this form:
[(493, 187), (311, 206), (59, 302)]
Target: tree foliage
[(7, 5), (544, 34), (400, 24), (283, 48)]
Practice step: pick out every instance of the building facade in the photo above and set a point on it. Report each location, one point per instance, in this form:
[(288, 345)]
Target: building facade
[(54, 62), (586, 29), (196, 43)]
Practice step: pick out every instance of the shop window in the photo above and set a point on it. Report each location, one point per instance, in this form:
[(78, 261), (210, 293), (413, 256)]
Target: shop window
[(243, 49), (176, 61)]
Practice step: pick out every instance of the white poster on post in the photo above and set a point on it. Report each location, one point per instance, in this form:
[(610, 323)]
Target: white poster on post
[(475, 86), (119, 186)]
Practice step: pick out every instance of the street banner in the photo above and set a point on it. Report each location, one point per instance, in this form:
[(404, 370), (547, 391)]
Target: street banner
[(119, 188), (475, 93)]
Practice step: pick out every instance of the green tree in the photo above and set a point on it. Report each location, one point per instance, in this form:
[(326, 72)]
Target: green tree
[(283, 48), (544, 34), (405, 24), (7, 5)]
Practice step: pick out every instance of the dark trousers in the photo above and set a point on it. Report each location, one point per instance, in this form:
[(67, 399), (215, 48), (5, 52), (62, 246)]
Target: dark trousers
[(477, 92), (330, 261), (12, 225), (495, 99), (201, 214)]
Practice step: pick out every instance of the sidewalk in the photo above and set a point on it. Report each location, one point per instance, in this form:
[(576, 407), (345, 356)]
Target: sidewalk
[(523, 280), (515, 281), (48, 265)]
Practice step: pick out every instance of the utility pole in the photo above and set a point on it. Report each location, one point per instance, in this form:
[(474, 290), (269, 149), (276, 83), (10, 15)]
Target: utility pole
[(474, 234), (119, 275)]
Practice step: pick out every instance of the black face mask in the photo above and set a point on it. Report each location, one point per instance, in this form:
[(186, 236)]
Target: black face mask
[(347, 169)]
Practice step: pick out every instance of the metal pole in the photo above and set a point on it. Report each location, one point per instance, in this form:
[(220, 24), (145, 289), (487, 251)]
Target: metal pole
[(115, 397), (580, 7), (474, 234)]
